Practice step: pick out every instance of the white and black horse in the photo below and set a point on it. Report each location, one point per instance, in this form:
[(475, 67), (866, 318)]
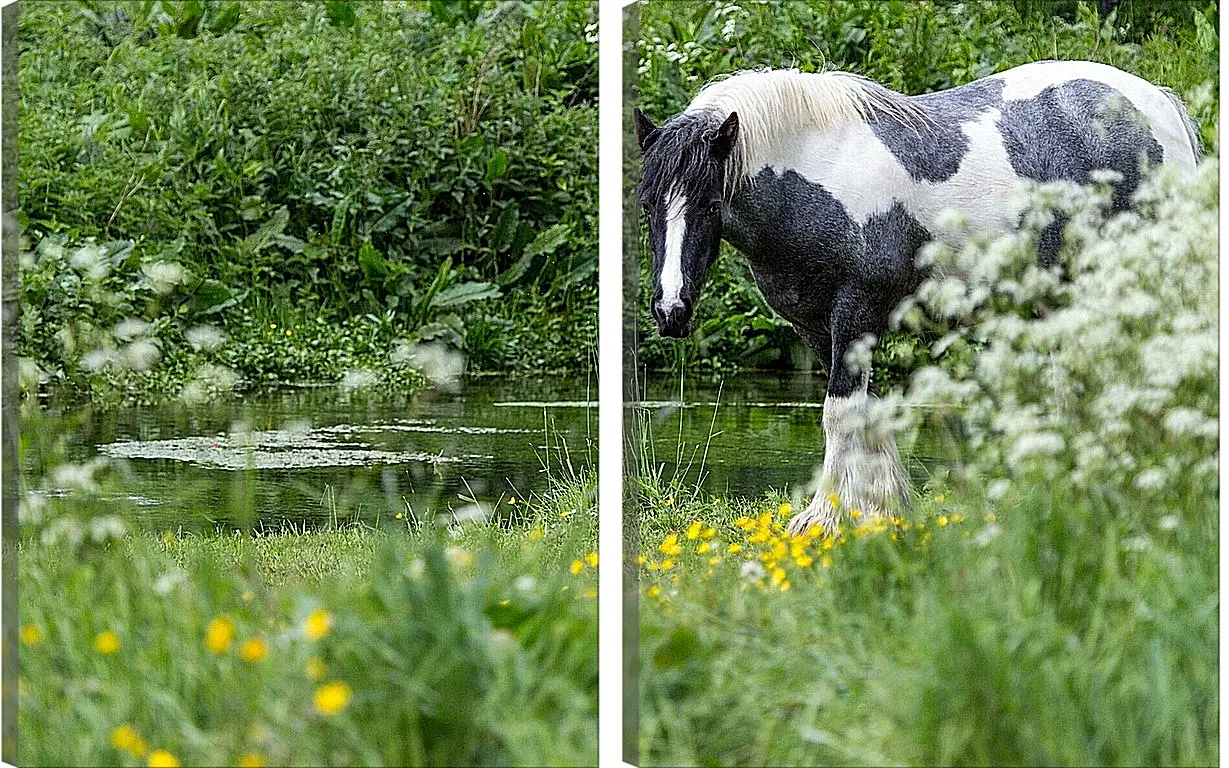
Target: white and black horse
[(829, 183)]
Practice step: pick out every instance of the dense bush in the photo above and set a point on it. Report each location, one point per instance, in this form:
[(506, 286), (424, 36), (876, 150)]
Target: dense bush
[(337, 160), (913, 47)]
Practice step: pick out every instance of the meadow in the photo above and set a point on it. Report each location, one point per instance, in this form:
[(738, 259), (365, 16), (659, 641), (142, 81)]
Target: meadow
[(412, 644)]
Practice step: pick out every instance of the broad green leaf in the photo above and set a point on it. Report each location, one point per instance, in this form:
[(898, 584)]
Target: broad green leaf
[(497, 166), (372, 263), (463, 293), (505, 228)]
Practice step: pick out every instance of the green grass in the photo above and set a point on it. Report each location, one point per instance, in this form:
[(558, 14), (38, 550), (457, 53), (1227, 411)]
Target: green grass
[(1050, 636), (471, 646)]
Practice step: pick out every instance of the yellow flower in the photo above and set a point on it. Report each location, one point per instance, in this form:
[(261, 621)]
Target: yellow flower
[(654, 591), (714, 560), (734, 549), (162, 759), (399, 516), (535, 535), (704, 548), (745, 523), (332, 698), (958, 518), (567, 513), (126, 738), (591, 592), (708, 533), (252, 759), (991, 517), (785, 509), (670, 502), (106, 642), (577, 567), (693, 530), (855, 513), (318, 624), (254, 649), (219, 634), (591, 559), (31, 635), (512, 500), (287, 331), (314, 668), (667, 564), (834, 501), (778, 575), (272, 325), (804, 560), (942, 521), (671, 546), (641, 559), (654, 566), (940, 497)]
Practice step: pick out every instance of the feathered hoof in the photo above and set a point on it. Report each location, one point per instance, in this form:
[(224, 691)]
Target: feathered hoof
[(819, 513)]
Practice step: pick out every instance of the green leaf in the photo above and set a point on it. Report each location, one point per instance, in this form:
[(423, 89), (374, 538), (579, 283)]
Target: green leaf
[(505, 228), (226, 19), (548, 240), (497, 166), (211, 297), (372, 263), (393, 217), (339, 13), (463, 293), (269, 230)]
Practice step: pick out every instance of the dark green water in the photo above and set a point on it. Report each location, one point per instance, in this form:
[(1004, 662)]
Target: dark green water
[(744, 434), (308, 457), (313, 456)]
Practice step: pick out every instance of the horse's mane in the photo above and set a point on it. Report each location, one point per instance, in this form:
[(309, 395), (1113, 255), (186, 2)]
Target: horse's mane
[(774, 102)]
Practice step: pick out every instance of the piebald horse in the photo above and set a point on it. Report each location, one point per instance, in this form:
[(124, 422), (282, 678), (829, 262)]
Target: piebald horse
[(828, 184)]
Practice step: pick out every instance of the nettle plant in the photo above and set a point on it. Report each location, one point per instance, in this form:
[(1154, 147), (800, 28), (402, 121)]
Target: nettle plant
[(1101, 376)]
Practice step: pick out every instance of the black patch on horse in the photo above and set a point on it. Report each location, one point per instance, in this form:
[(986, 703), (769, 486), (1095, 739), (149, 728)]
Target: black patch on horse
[(1072, 129), (932, 149)]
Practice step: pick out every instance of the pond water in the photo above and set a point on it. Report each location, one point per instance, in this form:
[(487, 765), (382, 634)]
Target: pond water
[(310, 456), (313, 456), (744, 434)]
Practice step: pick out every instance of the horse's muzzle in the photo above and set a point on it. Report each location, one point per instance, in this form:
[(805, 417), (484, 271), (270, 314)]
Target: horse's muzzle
[(673, 322)]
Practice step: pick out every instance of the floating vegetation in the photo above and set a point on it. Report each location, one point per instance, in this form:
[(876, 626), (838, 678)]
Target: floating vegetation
[(273, 449)]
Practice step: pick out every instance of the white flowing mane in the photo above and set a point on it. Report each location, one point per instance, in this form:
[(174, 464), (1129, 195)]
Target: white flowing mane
[(772, 103)]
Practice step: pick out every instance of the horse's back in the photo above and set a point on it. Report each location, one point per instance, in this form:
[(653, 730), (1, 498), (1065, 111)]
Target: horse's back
[(1112, 113)]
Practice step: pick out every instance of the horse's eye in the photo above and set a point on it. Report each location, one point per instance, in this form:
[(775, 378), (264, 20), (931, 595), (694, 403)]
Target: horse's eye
[(714, 206)]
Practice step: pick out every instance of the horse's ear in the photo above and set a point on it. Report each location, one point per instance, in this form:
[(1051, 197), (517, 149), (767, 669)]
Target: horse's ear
[(724, 139), (646, 132)]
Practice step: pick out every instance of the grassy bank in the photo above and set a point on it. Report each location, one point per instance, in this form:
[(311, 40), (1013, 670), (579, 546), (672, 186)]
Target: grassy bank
[(1035, 630), (474, 645)]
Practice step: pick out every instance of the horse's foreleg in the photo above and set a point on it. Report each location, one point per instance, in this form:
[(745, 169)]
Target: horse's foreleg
[(862, 467)]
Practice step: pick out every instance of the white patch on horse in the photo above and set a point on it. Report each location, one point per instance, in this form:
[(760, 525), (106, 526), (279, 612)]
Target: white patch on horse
[(862, 467), (672, 269), (863, 175), (1029, 80), (775, 103)]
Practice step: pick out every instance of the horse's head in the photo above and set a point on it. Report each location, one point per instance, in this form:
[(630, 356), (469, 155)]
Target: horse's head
[(682, 192)]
